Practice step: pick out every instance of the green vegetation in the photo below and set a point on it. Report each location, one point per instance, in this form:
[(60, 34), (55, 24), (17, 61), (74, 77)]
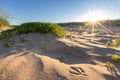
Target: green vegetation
[(70, 24), (40, 28), (69, 35), (115, 22), (7, 44), (108, 44), (116, 58), (31, 27), (110, 65), (3, 22), (5, 35), (114, 43), (3, 19), (22, 39)]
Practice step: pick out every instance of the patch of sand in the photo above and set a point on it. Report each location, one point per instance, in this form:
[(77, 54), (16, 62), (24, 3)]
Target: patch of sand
[(44, 57)]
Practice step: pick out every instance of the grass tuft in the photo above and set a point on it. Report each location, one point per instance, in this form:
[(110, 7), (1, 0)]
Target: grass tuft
[(115, 57), (110, 65), (7, 44), (22, 39)]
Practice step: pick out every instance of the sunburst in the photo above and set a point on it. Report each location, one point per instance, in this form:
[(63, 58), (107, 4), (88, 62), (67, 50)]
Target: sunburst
[(94, 26), (93, 18)]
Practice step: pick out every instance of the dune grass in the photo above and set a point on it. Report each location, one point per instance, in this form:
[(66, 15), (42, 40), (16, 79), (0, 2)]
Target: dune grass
[(114, 43), (110, 65), (34, 27), (31, 27), (115, 57), (40, 27)]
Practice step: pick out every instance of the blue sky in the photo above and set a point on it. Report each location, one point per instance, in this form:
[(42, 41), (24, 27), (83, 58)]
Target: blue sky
[(57, 10)]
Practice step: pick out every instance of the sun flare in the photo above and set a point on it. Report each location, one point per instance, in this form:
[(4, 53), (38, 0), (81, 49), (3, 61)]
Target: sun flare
[(93, 23), (94, 16)]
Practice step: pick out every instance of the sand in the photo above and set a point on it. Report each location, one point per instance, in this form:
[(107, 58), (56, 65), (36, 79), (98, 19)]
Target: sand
[(3, 28), (44, 57)]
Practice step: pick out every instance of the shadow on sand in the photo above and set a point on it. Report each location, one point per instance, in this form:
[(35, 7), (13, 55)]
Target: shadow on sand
[(69, 54)]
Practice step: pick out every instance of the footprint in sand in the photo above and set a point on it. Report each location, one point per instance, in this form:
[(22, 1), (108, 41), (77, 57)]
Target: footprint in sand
[(77, 71)]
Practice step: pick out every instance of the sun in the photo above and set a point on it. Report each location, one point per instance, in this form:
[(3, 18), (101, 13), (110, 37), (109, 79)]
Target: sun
[(94, 16)]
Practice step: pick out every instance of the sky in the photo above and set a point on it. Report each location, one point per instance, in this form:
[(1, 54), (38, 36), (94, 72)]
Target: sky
[(58, 10)]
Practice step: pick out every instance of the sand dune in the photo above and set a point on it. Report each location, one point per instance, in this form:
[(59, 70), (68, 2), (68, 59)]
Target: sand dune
[(44, 57)]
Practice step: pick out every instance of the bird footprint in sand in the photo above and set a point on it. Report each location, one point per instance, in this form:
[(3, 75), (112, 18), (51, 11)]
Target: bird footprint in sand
[(77, 71)]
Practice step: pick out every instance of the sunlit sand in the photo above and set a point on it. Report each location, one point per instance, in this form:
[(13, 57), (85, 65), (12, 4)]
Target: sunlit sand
[(77, 57)]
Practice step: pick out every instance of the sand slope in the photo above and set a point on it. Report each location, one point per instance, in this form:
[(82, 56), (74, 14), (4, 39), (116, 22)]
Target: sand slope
[(44, 57)]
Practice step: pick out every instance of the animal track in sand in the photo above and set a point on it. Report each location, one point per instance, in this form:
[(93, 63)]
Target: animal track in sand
[(77, 71)]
